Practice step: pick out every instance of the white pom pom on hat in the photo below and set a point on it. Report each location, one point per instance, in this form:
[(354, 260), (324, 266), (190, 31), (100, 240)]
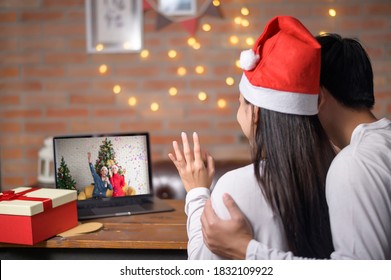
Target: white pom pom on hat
[(282, 71), (248, 59)]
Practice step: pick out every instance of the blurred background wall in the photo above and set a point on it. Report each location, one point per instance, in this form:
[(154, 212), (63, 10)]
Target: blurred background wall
[(50, 85)]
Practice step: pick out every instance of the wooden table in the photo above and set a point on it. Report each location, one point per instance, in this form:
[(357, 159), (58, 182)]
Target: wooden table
[(148, 236)]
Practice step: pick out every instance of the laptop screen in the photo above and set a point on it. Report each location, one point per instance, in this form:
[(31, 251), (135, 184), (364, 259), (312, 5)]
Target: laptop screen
[(103, 166)]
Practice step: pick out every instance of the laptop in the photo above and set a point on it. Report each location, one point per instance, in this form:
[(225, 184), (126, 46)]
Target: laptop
[(111, 172)]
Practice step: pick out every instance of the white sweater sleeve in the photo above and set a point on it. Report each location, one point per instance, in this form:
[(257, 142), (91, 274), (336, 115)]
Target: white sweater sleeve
[(195, 201), (360, 210), (197, 250)]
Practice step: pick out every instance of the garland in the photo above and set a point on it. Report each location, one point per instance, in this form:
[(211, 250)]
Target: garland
[(190, 23)]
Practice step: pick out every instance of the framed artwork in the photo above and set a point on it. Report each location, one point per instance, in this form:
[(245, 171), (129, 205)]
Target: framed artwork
[(178, 7), (114, 26)]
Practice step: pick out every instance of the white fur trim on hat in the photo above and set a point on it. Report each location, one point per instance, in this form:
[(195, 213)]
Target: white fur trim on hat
[(279, 101), (248, 59)]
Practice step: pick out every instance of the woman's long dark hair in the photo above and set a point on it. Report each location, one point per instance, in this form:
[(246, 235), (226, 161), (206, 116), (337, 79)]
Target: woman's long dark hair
[(297, 155)]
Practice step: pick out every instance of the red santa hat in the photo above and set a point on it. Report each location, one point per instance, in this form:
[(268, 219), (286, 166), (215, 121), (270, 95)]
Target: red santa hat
[(282, 70)]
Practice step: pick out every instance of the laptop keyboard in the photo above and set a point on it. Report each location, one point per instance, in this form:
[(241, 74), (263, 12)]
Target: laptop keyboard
[(112, 203)]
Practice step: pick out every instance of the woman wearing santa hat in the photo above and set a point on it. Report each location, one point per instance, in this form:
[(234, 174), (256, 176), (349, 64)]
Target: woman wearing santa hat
[(282, 193), (117, 181)]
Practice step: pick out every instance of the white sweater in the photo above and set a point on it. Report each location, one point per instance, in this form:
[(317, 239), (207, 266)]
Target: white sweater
[(241, 184), (358, 192)]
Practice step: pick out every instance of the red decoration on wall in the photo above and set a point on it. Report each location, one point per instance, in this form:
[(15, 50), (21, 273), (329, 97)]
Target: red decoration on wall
[(190, 25), (146, 5)]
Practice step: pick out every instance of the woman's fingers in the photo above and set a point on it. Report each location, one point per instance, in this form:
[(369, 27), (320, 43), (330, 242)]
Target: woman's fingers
[(186, 148), (188, 157), (197, 149), (178, 158), (172, 157), (178, 153), (211, 165)]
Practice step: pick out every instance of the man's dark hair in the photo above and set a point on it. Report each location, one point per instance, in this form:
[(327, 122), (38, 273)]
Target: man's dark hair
[(346, 71)]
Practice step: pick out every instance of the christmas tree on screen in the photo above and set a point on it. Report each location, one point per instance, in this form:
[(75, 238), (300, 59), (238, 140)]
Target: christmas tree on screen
[(106, 157), (64, 177)]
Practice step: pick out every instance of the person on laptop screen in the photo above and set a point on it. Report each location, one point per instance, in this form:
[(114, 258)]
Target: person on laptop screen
[(117, 181), (102, 182)]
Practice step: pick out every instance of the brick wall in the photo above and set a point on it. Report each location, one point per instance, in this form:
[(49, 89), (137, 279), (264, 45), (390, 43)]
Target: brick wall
[(49, 85)]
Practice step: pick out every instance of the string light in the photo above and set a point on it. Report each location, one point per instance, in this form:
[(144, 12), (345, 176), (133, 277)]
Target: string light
[(99, 47), (172, 54), (103, 69), (221, 103), (117, 89), (196, 46), (172, 91), (144, 53), (132, 101), (234, 40), (200, 69), (206, 27), (244, 11), (250, 41), (154, 106), (191, 41), (181, 71), (202, 96), (245, 23), (229, 81)]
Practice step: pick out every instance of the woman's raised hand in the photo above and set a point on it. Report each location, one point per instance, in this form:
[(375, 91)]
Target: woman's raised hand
[(195, 168)]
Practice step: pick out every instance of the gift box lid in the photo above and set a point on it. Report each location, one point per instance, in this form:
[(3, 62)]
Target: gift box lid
[(25, 201)]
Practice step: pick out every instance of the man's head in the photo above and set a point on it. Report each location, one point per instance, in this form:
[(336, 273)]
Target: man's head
[(346, 71), (104, 171), (347, 96)]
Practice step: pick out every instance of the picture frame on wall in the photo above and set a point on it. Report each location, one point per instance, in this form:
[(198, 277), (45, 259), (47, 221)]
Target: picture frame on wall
[(114, 26), (178, 7)]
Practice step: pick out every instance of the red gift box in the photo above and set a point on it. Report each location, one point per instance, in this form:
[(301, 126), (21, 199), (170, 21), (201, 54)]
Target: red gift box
[(30, 215)]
